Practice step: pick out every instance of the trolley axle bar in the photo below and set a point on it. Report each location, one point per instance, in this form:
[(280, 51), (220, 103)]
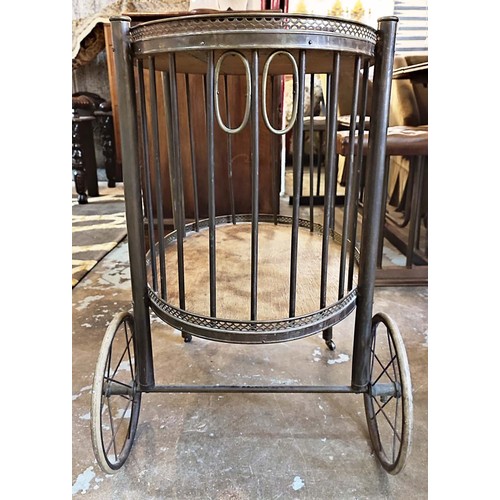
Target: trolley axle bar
[(378, 390), (254, 389)]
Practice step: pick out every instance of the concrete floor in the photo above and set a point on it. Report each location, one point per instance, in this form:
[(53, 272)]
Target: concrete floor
[(244, 446)]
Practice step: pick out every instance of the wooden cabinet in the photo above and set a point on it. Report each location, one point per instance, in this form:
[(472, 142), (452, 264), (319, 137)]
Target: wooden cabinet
[(114, 98), (234, 148)]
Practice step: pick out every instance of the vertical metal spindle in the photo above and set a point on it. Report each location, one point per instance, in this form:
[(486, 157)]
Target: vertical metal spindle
[(327, 120), (254, 116), (335, 177), (275, 144), (211, 181), (153, 99), (170, 148), (349, 168), (333, 198), (175, 168), (229, 154), (193, 158), (329, 172), (327, 106), (372, 207), (355, 187), (311, 152), (147, 173), (297, 171), (120, 27), (320, 158)]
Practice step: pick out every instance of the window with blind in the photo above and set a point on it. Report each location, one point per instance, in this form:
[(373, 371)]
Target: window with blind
[(412, 29)]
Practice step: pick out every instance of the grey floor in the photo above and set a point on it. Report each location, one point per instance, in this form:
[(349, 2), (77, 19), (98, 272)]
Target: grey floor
[(244, 446)]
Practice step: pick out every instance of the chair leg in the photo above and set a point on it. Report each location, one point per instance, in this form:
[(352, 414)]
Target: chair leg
[(416, 203), (88, 156), (423, 201), (403, 206), (78, 167), (108, 149), (382, 218)]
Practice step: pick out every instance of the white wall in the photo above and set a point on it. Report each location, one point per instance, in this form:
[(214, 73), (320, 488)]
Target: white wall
[(373, 8)]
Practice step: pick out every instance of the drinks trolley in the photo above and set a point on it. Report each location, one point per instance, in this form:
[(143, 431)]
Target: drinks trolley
[(251, 275)]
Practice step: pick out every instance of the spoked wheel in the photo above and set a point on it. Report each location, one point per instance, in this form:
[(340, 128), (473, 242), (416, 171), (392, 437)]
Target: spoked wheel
[(116, 401), (388, 402)]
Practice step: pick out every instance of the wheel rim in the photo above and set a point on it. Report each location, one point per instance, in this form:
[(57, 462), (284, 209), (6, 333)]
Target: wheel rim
[(115, 398), (388, 402)]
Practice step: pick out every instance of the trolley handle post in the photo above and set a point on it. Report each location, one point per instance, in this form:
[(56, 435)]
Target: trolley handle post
[(384, 59), (120, 27)]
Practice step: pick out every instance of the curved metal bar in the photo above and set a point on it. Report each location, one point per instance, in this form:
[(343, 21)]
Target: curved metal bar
[(275, 31), (248, 94), (252, 331), (265, 72)]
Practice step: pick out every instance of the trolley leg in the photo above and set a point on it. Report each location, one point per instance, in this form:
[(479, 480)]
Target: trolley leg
[(373, 204), (133, 204), (327, 337)]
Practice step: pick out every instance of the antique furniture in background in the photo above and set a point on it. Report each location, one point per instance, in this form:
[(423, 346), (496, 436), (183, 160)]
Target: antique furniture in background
[(83, 154), (92, 119), (404, 231)]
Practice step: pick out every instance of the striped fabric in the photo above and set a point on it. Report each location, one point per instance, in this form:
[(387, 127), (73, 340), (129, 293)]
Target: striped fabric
[(412, 29)]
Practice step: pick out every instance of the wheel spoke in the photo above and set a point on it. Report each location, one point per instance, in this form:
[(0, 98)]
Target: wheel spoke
[(113, 442), (374, 343), (122, 356), (114, 432), (123, 384), (381, 407), (384, 370), (393, 356), (395, 433), (107, 370), (128, 350), (382, 412)]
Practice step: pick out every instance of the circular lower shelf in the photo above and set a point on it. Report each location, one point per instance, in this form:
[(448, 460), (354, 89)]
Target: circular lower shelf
[(233, 282)]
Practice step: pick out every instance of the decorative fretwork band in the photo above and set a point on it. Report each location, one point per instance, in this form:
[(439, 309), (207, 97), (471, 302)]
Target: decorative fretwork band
[(286, 23), (253, 327)]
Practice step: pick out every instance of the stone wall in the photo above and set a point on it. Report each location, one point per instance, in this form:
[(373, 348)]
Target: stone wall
[(88, 15)]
